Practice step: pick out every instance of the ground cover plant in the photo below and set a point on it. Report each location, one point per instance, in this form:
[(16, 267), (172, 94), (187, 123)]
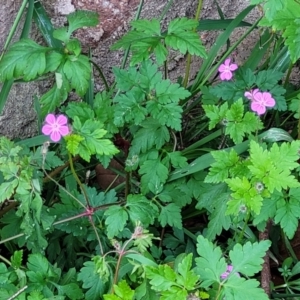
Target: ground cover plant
[(205, 198)]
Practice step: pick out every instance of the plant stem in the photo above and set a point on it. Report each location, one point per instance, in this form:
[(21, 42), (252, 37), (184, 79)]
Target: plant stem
[(5, 260), (137, 16), (97, 235), (244, 227), (59, 169), (189, 56), (78, 180)]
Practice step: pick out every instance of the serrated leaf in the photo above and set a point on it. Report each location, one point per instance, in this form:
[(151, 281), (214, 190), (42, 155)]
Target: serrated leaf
[(154, 173), (80, 109), (171, 215), (218, 220), (162, 277), (140, 209), (73, 141), (78, 70), (189, 278), (71, 290), (7, 189), (123, 291), (92, 143), (181, 37), (211, 263), (288, 214), (112, 214), (151, 134), (128, 109), (52, 99), (248, 259), (24, 59), (169, 114), (221, 168), (239, 288), (91, 281), (16, 259), (82, 18), (215, 114), (167, 92)]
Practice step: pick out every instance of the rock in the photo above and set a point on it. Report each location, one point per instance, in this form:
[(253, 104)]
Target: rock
[(18, 118)]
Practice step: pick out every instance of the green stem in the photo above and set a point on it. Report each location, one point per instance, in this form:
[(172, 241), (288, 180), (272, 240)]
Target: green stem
[(14, 27), (137, 16), (244, 227), (97, 235), (121, 254), (78, 180), (5, 260), (101, 75), (167, 7), (189, 56), (287, 78)]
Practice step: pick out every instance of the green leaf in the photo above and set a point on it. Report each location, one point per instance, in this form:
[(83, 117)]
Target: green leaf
[(273, 168), (122, 291), (92, 282), (239, 288), (82, 18), (151, 134), (24, 59), (71, 290), (287, 215), (7, 189), (112, 214), (171, 215), (128, 109), (211, 263), (144, 39), (16, 259), (154, 175), (78, 70), (52, 99), (182, 37), (223, 166), (167, 92), (215, 114), (218, 220), (169, 114), (91, 143), (80, 109), (188, 278), (162, 277), (140, 209), (248, 259)]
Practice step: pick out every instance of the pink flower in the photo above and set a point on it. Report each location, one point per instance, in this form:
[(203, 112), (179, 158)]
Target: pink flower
[(260, 101), (228, 271), (251, 94), (56, 127), (226, 70)]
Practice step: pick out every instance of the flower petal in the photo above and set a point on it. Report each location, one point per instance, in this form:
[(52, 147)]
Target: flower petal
[(50, 119), (227, 62), (222, 68), (47, 129), (64, 130), (55, 136), (233, 67), (248, 95), (258, 108), (227, 75), (62, 120)]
